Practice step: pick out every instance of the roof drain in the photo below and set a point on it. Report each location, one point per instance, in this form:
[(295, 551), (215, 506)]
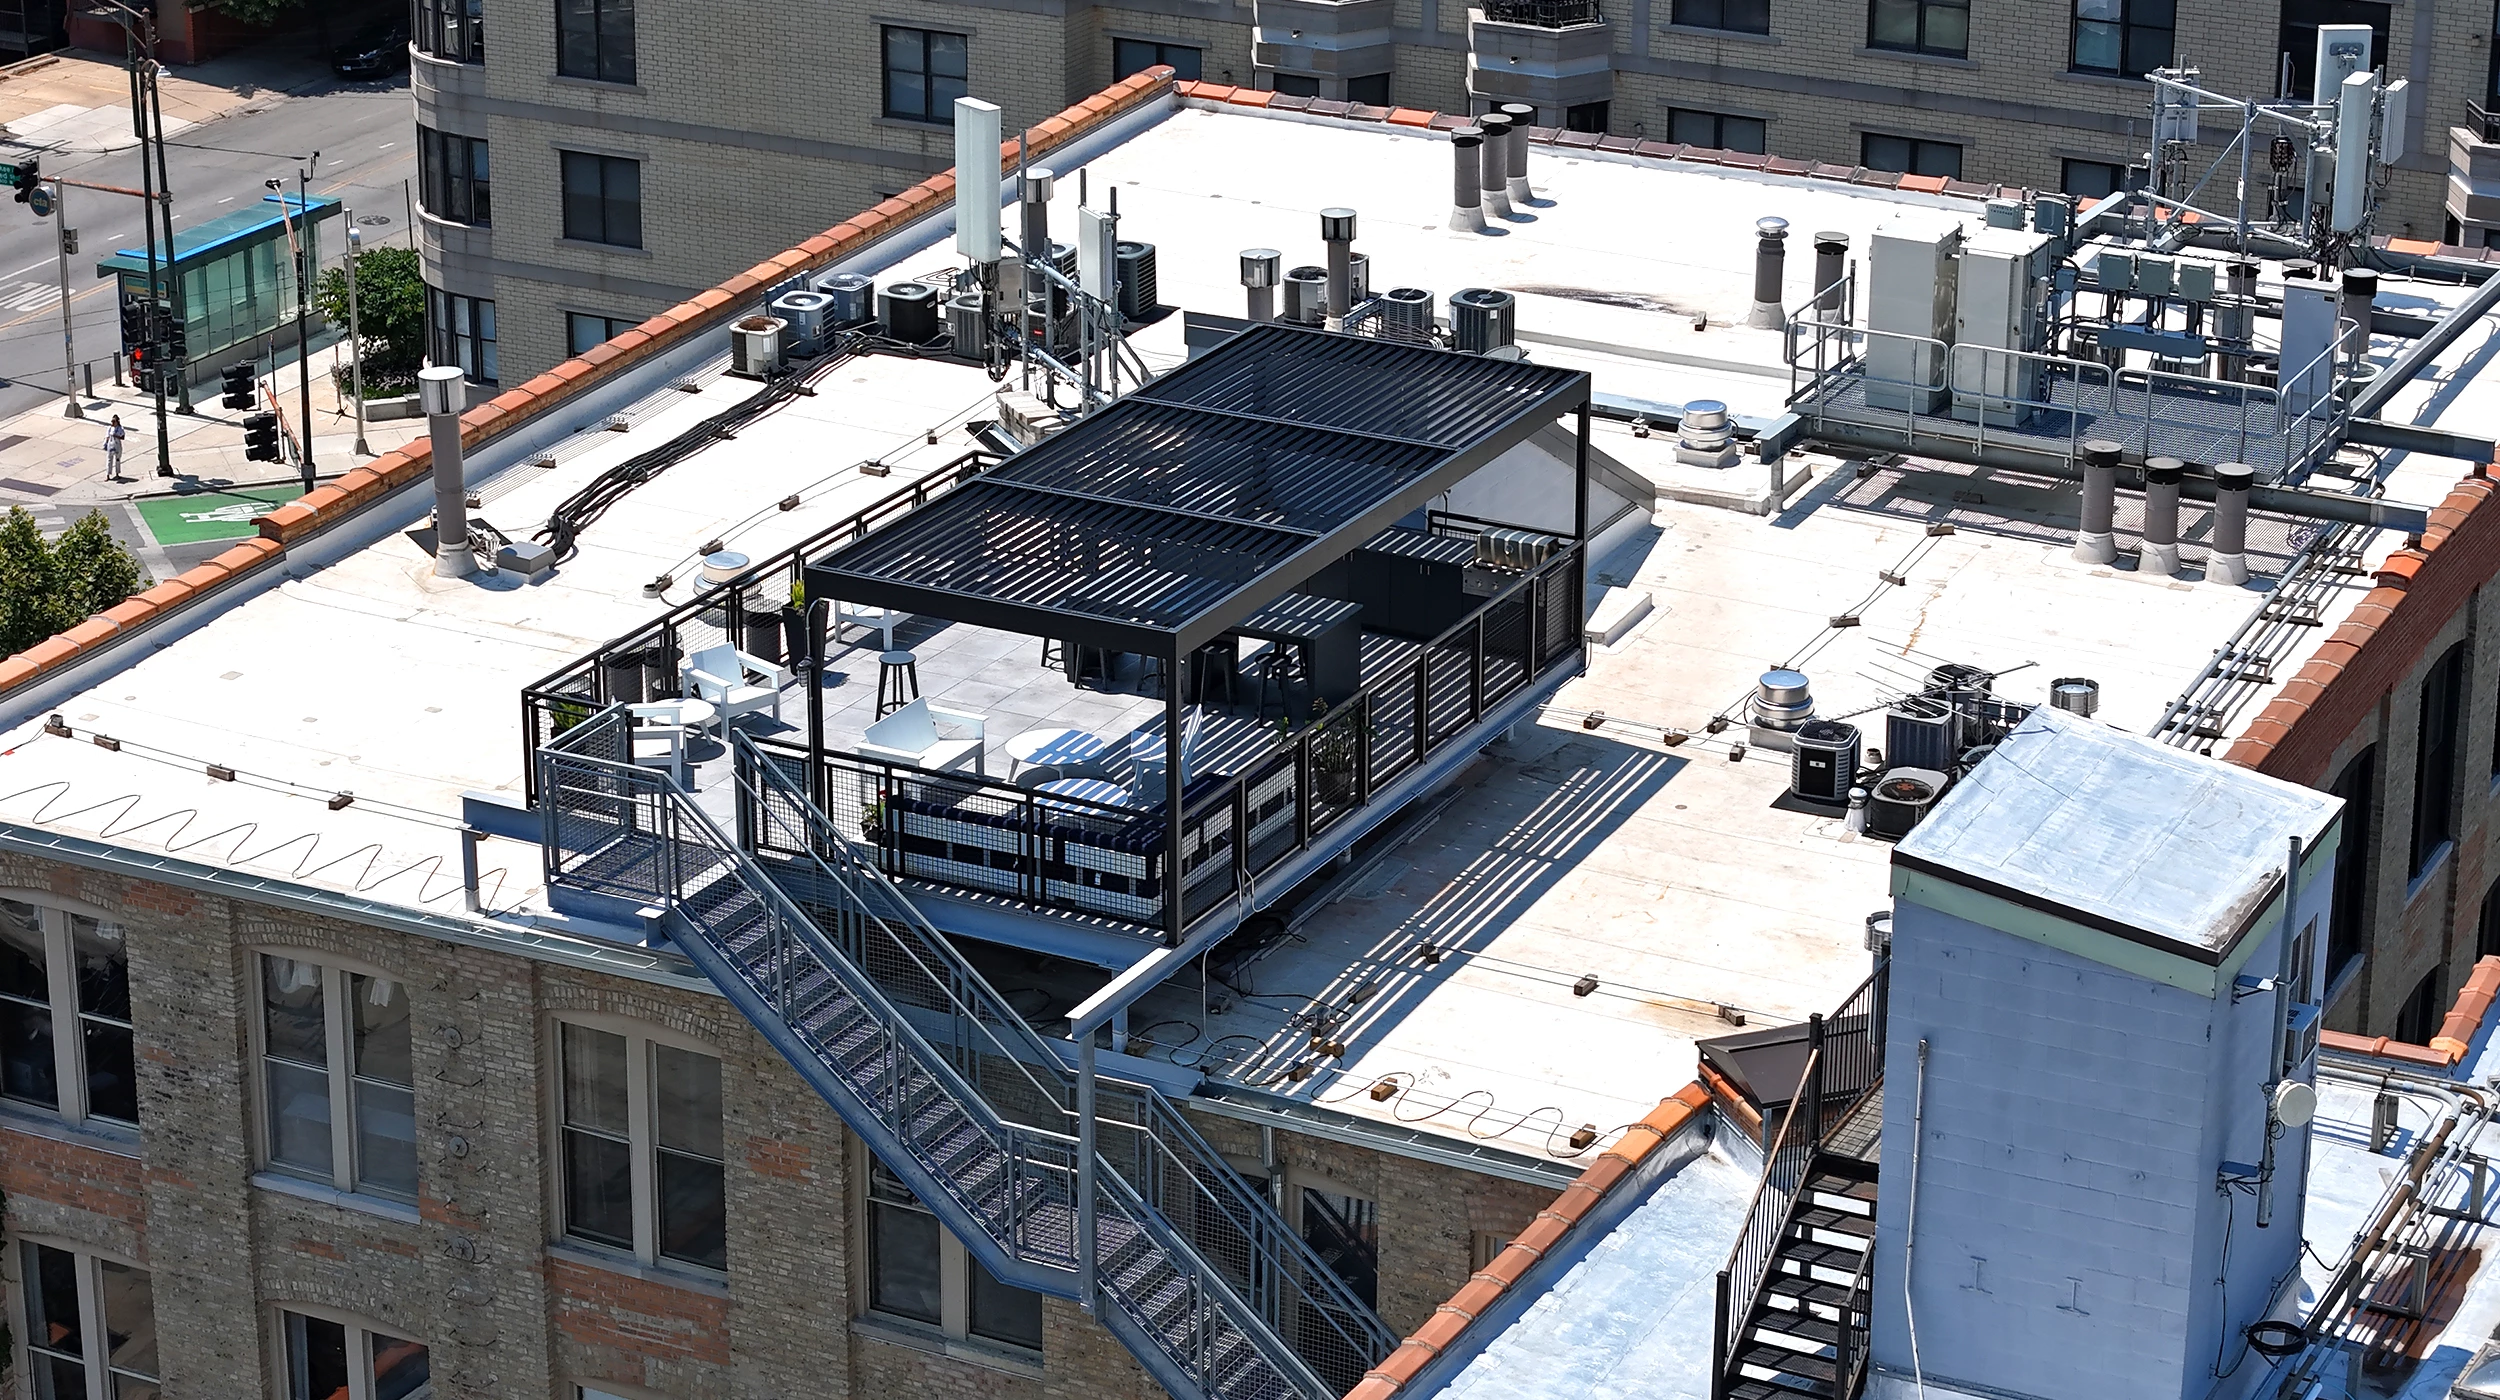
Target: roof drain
[(1496, 170), (1467, 191)]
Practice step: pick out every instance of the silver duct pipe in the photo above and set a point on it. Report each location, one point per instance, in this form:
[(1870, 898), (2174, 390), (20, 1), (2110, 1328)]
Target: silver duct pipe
[(1336, 229), (1515, 164), (1770, 273), (1260, 270), (1467, 189), (1496, 172), (2227, 561), (440, 394), (2159, 556), (2096, 540)]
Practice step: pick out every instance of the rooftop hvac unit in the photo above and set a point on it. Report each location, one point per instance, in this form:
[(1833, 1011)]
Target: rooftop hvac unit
[(968, 320), (1483, 319), (755, 347), (1513, 549), (1407, 308), (1824, 762), (1901, 800), (851, 298), (805, 313), (907, 311), (1919, 733), (1138, 291), (1306, 296)]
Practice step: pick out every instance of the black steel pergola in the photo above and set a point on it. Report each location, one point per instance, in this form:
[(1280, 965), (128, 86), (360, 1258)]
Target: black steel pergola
[(1168, 519)]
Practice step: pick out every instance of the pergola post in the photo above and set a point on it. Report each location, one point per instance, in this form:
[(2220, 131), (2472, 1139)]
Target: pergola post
[(1175, 684)]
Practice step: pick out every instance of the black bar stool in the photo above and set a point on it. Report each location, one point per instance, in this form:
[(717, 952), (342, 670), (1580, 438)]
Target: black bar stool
[(898, 681)]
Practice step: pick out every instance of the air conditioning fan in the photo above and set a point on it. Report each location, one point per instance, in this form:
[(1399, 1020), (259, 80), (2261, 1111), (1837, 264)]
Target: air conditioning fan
[(1513, 549)]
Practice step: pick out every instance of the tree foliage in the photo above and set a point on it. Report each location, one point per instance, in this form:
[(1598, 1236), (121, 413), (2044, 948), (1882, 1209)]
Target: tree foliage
[(390, 311), (256, 11), (50, 586)]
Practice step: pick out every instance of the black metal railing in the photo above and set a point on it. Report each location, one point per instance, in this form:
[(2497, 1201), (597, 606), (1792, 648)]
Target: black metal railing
[(746, 612), (970, 832), (2485, 122), (1545, 14)]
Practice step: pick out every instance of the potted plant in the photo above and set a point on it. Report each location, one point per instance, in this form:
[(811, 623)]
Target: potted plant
[(794, 621), (1335, 753)]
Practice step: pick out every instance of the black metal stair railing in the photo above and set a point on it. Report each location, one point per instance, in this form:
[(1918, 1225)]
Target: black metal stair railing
[(1008, 1187), (1143, 1135)]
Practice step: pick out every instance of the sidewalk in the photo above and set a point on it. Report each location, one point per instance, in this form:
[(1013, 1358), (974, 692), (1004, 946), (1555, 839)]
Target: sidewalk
[(78, 101)]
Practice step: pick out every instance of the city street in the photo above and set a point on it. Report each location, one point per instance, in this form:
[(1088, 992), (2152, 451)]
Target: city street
[(259, 118)]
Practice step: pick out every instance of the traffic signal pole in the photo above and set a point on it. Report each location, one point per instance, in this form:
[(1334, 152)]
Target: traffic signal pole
[(173, 279), (69, 339), (147, 189)]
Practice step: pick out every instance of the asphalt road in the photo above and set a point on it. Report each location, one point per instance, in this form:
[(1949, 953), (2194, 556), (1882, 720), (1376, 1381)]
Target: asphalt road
[(366, 136)]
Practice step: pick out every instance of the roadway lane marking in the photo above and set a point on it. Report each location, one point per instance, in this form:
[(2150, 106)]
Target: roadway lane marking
[(29, 296)]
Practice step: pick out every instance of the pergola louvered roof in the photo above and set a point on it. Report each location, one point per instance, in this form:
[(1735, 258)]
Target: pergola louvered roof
[(1174, 514)]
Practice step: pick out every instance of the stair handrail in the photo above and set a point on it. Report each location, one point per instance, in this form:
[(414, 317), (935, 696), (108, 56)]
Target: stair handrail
[(1785, 1165), (1160, 1125), (1850, 1348), (682, 814)]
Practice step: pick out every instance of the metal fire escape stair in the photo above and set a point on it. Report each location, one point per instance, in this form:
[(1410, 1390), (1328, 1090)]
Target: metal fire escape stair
[(1195, 1272), (1790, 1346)]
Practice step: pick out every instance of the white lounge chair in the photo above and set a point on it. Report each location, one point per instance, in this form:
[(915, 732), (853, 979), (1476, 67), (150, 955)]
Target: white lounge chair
[(659, 741), (735, 682), (910, 735)]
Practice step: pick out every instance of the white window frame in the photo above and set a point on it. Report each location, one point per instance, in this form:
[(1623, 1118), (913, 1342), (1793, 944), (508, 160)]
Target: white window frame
[(641, 1111), (360, 1334), (338, 1038), (955, 1265), (96, 1360), (69, 1055)]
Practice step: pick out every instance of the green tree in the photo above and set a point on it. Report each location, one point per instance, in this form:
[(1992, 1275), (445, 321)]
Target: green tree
[(50, 586), (390, 312)]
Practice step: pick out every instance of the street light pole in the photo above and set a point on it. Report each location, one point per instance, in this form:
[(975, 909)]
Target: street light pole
[(299, 243), (69, 340), (147, 194), (355, 339), (165, 185)]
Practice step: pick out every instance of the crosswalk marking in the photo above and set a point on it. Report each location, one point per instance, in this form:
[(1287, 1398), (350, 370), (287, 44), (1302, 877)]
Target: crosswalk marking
[(28, 296)]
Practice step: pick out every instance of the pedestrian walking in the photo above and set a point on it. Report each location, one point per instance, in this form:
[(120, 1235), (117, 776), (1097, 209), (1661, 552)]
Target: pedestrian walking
[(113, 449)]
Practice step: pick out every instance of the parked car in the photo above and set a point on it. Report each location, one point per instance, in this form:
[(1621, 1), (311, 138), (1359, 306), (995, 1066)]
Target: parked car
[(375, 53)]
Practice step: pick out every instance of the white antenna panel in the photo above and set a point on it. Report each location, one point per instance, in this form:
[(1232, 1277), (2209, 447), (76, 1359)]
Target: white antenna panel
[(976, 179)]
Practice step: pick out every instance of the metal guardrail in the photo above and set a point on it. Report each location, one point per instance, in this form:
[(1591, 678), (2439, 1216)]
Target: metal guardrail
[(619, 828)]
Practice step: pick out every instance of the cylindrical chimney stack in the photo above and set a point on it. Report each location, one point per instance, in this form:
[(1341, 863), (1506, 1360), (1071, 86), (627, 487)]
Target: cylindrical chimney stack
[(2237, 323), (2096, 541), (1336, 229), (1034, 198), (2360, 297), (1770, 270), (1515, 164), (2159, 556), (1831, 264), (1496, 173), (1467, 189), (440, 394), (2227, 563), (1260, 270)]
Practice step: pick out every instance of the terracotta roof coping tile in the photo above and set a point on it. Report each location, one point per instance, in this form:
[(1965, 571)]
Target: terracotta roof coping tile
[(93, 632), (1409, 116), (1442, 1330), (1924, 184), (131, 611), (50, 652), (17, 671), (1251, 97)]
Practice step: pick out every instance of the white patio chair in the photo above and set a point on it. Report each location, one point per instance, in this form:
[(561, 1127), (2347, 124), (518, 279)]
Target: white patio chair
[(910, 735), (735, 682), (658, 742), (881, 621)]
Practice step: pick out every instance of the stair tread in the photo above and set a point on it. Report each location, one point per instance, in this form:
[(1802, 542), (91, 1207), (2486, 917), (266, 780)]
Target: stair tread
[(1793, 1363), (1806, 1290), (1796, 1324), (1837, 1221)]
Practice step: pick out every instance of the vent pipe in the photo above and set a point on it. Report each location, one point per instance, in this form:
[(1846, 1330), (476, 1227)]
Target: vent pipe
[(439, 392), (1260, 269), (2360, 298), (2096, 541), (1496, 171), (2227, 562), (1336, 229), (1467, 190), (1034, 193), (1515, 165), (1770, 270), (2159, 555), (2236, 324), (1831, 264)]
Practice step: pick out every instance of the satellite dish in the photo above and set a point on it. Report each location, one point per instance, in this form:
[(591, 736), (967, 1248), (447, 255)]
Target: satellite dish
[(2294, 1104)]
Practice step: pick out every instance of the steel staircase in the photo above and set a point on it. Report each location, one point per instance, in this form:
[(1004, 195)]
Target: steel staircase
[(1194, 1272)]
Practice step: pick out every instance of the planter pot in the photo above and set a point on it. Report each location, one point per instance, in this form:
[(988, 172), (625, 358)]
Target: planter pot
[(794, 633)]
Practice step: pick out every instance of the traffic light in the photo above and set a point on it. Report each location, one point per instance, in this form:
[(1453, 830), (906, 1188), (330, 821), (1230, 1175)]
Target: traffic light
[(238, 381), (260, 437), (177, 340), (134, 324), (25, 175)]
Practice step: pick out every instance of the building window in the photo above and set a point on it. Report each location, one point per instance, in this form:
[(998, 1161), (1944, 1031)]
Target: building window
[(2091, 179), (2435, 759), (1743, 16), (452, 29), (461, 331), (925, 71), (1921, 26), (642, 1160), (1587, 116), (65, 1035), (1296, 85), (2355, 866), (602, 199), (1371, 89), (1131, 56), (2422, 1014), (919, 1273), (1910, 155), (2129, 38), (331, 1360), (584, 333), (90, 1326), (1718, 131), (337, 1075), (595, 40), (1345, 1232), (2487, 930), (452, 177), (2301, 18)]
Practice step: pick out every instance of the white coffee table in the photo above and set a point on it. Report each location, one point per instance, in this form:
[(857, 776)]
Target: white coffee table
[(688, 713), (1054, 748)]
